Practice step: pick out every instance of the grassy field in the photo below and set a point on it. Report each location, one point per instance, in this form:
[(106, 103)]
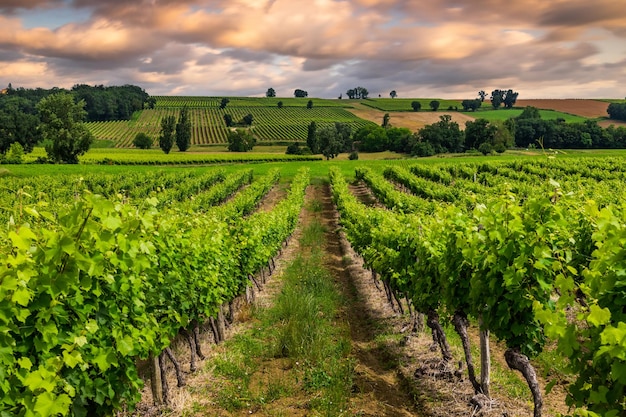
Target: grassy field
[(404, 104), (260, 161), (504, 114)]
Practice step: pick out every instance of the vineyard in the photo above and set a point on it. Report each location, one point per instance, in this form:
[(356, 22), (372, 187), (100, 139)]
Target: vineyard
[(102, 271), (99, 271), (532, 250), (271, 123)]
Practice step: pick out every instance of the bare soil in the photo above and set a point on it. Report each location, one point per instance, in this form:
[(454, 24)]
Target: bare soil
[(616, 123), (579, 107), (277, 193), (379, 388)]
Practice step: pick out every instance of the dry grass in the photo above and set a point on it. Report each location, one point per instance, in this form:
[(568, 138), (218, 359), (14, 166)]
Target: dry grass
[(410, 120)]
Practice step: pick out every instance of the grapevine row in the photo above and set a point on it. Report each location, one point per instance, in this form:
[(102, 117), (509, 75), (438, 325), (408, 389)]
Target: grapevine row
[(504, 264)]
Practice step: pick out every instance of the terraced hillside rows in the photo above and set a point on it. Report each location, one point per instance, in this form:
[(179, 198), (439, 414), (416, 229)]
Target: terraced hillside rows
[(271, 123)]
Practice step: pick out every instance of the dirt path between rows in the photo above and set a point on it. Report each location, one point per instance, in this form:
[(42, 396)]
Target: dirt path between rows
[(386, 353), (379, 389)]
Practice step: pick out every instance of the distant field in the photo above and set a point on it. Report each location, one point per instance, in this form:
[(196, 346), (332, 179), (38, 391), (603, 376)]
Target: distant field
[(504, 114), (404, 104), (289, 123), (411, 120), (578, 107), (208, 127), (198, 101), (612, 122)]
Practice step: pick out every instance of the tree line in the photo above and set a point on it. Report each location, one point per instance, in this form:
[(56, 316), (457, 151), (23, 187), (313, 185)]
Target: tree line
[(528, 130), (54, 117), (617, 111)]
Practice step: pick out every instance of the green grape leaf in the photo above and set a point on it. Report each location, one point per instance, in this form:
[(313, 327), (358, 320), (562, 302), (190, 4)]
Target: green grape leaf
[(22, 296), (25, 363), (47, 404), (598, 316)]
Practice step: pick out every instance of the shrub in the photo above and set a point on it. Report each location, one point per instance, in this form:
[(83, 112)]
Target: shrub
[(499, 147), (485, 148), (14, 154), (423, 149), (294, 149), (354, 155), (240, 140), (142, 141)]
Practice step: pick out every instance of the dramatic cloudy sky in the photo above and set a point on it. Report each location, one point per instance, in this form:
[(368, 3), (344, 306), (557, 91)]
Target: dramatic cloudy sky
[(420, 48)]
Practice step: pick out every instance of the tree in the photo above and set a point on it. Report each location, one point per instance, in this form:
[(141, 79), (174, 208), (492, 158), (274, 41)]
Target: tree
[(224, 103), (112, 103), (393, 94), (416, 105), (270, 92), (617, 111), (509, 99), (471, 104), (529, 112), (482, 95), (309, 104), (357, 93), (280, 104), (497, 97), (166, 138), (311, 138), (386, 121), (228, 119), (329, 141), (240, 140), (248, 119), (477, 132), (64, 133), (434, 105), (300, 93), (344, 130), (142, 141), (18, 124), (443, 136), (399, 139), (372, 139), (183, 131), (504, 137)]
